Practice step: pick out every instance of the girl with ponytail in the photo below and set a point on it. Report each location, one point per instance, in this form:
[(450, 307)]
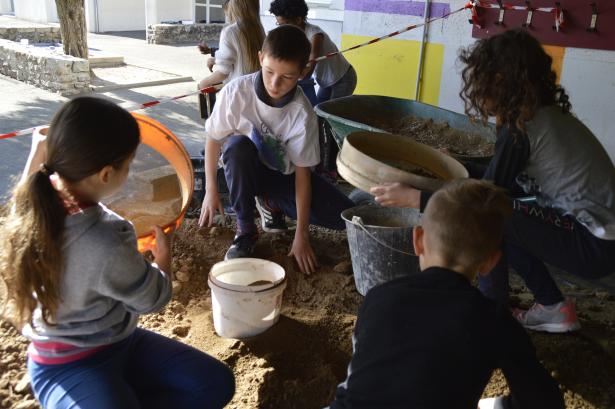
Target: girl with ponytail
[(79, 284)]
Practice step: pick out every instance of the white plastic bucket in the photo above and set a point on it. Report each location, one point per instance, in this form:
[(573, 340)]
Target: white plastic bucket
[(246, 296)]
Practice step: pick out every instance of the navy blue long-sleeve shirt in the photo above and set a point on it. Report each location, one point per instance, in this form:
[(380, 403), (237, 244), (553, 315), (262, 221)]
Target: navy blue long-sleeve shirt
[(432, 341)]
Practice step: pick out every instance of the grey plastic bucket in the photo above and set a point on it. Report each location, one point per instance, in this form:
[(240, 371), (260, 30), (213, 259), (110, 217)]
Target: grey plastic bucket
[(380, 241)]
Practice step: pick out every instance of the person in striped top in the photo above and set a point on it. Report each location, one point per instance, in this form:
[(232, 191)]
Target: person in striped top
[(79, 283)]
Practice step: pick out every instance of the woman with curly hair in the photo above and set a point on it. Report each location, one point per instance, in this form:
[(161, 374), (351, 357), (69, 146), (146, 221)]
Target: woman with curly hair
[(335, 76), (542, 150)]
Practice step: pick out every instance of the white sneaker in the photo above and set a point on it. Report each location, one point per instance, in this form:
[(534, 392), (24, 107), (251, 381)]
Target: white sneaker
[(491, 403), (556, 318)]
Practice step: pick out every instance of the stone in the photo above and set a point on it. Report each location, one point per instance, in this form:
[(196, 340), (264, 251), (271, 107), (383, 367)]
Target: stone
[(83, 77), (27, 404), (183, 33), (182, 277), (177, 286), (345, 267), (81, 66), (181, 331), (45, 68), (23, 384)]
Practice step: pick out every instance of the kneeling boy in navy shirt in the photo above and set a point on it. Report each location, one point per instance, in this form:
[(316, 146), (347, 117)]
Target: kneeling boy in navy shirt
[(431, 340)]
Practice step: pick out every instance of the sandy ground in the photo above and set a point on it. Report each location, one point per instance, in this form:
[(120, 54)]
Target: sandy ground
[(298, 362)]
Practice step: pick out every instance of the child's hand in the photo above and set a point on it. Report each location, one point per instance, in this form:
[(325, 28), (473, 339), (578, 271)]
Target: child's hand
[(397, 195), (211, 61), (302, 250), (38, 152), (204, 48), (163, 250), (211, 204)]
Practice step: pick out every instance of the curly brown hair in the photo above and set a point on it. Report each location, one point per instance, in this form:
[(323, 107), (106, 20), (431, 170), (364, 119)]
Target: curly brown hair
[(509, 76)]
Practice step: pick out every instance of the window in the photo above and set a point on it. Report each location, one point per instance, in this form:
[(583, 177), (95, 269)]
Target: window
[(319, 3), (208, 11)]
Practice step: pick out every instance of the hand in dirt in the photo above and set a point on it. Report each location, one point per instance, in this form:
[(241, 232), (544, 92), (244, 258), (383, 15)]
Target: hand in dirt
[(211, 204), (304, 254), (203, 48), (163, 250), (397, 195), (211, 61)]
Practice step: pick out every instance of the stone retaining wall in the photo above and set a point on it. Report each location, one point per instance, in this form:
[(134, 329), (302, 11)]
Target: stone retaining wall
[(33, 34), (44, 68), (183, 33)]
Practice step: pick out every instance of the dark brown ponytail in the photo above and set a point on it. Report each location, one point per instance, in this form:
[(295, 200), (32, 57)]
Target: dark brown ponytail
[(85, 135)]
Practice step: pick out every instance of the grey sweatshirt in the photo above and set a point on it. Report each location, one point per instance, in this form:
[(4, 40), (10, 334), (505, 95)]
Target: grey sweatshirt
[(105, 285)]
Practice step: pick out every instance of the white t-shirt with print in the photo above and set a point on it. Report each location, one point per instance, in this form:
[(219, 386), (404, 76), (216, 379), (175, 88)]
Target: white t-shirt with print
[(330, 70), (285, 137)]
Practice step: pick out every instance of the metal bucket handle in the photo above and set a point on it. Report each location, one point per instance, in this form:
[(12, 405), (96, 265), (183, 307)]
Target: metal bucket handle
[(359, 222)]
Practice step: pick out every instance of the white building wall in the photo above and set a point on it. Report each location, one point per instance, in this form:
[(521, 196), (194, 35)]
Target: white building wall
[(329, 19), (39, 11), (116, 15)]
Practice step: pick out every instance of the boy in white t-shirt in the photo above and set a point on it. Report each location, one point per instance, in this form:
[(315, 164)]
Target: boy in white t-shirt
[(335, 76), (268, 134)]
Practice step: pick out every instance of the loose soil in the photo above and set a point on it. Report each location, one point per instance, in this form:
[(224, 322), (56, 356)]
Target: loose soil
[(442, 137), (299, 361), (410, 168)]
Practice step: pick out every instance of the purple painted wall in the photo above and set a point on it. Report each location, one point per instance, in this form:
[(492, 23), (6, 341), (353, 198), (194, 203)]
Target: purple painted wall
[(408, 7)]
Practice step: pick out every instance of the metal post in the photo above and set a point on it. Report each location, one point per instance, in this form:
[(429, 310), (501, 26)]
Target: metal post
[(419, 75)]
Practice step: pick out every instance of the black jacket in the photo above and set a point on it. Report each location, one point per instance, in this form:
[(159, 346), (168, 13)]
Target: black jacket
[(432, 341)]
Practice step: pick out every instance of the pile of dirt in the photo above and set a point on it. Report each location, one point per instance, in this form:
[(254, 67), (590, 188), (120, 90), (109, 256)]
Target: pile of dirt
[(299, 362), (442, 137)]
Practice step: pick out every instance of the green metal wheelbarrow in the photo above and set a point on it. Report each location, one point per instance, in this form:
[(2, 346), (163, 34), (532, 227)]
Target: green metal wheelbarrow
[(376, 113)]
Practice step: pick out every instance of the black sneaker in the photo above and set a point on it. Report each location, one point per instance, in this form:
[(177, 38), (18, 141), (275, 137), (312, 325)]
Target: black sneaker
[(242, 247), (272, 221)]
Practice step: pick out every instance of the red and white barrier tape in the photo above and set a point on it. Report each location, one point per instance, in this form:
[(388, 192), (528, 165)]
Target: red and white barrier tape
[(393, 34), (129, 107)]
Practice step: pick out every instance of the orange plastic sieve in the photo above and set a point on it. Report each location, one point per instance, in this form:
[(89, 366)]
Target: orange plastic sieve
[(159, 138)]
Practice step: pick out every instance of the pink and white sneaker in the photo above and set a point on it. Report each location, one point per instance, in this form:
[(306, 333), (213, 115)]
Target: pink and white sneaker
[(555, 318)]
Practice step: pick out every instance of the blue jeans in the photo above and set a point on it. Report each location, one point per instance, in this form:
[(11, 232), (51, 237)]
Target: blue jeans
[(248, 177), (145, 371), (536, 235)]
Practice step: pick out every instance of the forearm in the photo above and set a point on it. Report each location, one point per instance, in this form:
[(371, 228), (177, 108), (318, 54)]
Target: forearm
[(315, 53), (309, 70), (216, 78), (212, 153), (36, 157), (303, 198)]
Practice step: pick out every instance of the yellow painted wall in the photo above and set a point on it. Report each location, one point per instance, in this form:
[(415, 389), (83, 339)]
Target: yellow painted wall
[(390, 67), (557, 53)]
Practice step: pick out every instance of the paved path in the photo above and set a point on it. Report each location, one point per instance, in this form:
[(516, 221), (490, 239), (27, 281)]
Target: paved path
[(23, 105)]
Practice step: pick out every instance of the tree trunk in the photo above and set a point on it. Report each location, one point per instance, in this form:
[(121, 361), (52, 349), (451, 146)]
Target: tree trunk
[(72, 25)]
